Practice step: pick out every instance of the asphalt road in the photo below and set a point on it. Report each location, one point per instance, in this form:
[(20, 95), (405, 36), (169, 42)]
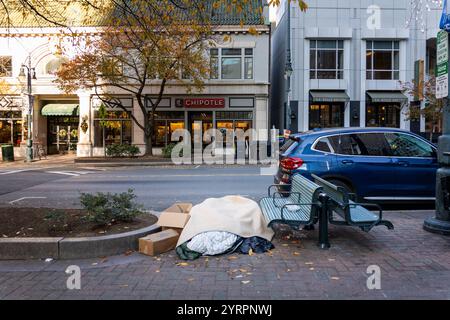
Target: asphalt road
[(156, 187)]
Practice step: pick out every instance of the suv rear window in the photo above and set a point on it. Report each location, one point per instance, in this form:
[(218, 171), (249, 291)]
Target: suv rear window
[(322, 145)]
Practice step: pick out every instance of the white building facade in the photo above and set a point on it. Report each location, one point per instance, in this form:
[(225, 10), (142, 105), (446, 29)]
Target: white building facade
[(237, 96), (349, 59)]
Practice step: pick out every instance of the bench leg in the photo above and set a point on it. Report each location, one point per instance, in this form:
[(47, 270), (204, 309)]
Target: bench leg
[(323, 223)]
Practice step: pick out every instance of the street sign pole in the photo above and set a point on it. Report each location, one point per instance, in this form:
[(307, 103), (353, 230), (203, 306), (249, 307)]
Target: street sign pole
[(441, 222)]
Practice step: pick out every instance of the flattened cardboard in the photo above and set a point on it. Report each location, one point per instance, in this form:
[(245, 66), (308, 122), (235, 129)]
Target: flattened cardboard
[(158, 243), (177, 216)]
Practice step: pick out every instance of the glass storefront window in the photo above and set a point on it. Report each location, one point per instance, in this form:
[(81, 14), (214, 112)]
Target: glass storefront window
[(115, 128), (62, 133), (326, 116), (11, 127), (166, 122), (383, 115)]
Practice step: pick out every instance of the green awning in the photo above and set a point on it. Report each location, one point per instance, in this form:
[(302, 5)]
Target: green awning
[(387, 96), (60, 109), (329, 96)]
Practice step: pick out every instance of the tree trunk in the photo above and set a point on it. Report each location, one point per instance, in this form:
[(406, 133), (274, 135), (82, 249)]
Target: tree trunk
[(148, 134), (148, 145)]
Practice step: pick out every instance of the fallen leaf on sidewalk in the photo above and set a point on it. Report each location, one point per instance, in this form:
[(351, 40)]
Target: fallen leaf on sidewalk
[(5, 236), (296, 253), (157, 271), (243, 270), (182, 264), (269, 253), (250, 252), (232, 258), (285, 245), (191, 279)]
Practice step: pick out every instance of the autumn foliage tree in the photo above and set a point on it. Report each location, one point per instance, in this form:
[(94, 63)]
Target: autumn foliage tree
[(434, 107), (144, 43)]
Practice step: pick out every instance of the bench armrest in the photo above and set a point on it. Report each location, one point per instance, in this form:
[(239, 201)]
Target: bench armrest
[(373, 205), (296, 204), (285, 192), (352, 196), (273, 186)]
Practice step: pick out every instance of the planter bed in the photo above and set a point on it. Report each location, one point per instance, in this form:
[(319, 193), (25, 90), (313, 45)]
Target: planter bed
[(26, 234)]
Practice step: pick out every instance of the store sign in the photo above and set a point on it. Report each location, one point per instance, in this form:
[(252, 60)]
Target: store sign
[(204, 103), (442, 65)]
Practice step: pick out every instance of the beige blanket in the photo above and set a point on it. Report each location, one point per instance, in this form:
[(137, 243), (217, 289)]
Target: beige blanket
[(232, 214)]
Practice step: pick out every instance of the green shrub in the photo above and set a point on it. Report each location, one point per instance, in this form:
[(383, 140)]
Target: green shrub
[(57, 220), (167, 150), (107, 208), (122, 150)]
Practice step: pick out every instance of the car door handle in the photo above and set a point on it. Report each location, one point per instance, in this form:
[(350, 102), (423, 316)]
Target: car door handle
[(347, 162), (402, 163)]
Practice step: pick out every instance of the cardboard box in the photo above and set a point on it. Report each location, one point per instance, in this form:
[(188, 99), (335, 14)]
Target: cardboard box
[(175, 217), (158, 243)]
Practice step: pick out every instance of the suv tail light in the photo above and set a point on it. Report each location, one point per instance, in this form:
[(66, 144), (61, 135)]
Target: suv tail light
[(291, 163)]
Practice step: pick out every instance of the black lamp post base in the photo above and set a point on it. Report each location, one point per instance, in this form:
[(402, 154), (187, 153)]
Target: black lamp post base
[(437, 226)]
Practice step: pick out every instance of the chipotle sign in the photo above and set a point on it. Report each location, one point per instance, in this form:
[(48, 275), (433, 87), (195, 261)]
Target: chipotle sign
[(204, 103)]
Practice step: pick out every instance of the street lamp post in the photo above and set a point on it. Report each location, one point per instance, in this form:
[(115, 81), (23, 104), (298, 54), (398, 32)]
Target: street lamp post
[(31, 74), (441, 222), (288, 68)]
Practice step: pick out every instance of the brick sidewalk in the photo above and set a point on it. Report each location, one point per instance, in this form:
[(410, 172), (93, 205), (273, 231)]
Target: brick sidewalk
[(414, 264), (51, 160)]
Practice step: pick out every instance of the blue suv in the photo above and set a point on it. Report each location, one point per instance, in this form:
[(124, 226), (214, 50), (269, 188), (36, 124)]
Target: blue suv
[(377, 164)]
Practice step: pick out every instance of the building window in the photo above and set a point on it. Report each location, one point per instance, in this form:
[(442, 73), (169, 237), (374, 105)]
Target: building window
[(383, 115), (248, 64), (383, 60), (326, 59), (166, 123), (11, 127), (54, 65), (231, 64), (214, 63), (5, 66), (235, 63), (115, 128), (326, 116)]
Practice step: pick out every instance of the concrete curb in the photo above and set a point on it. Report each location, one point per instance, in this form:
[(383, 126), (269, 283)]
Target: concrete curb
[(125, 164), (72, 248)]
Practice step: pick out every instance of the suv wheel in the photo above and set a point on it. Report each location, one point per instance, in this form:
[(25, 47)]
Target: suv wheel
[(341, 184)]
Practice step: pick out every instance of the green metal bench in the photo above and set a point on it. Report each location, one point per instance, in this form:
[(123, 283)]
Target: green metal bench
[(294, 208), (302, 205), (349, 212)]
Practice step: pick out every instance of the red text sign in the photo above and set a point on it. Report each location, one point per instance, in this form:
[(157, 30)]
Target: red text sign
[(204, 103)]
